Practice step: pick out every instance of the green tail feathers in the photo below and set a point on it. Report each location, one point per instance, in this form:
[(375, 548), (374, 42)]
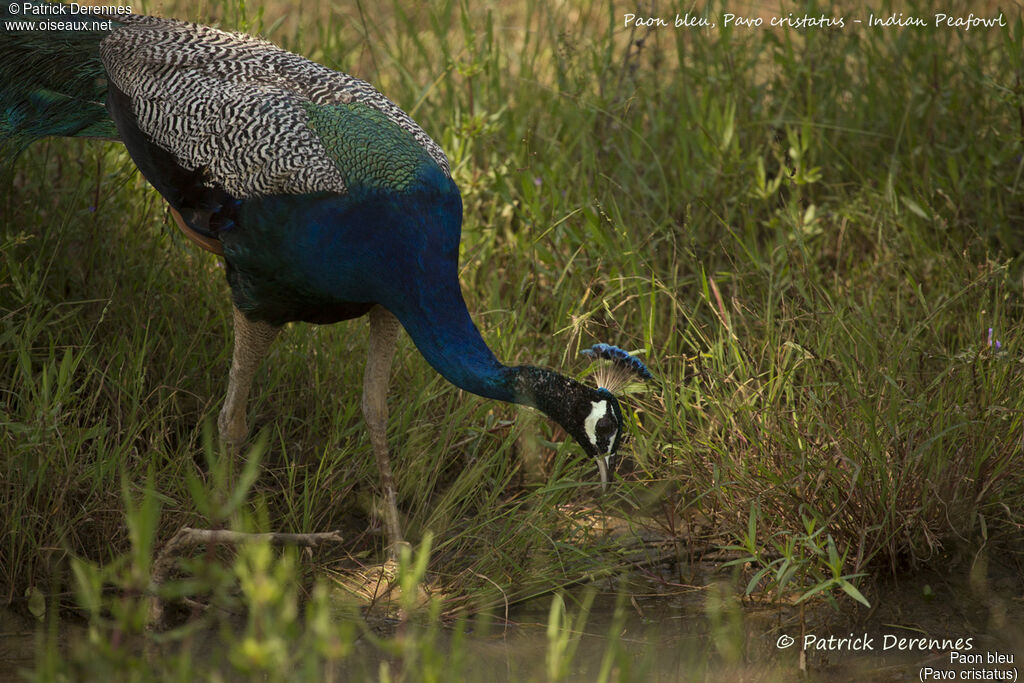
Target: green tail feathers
[(52, 81)]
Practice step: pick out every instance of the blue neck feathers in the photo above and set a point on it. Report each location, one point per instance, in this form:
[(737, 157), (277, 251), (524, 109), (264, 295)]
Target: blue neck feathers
[(450, 342), (396, 249), (440, 326)]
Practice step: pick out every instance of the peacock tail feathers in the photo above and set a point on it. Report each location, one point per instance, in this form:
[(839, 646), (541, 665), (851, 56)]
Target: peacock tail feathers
[(49, 87)]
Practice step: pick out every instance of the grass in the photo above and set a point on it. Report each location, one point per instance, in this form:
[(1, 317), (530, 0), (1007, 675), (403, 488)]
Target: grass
[(807, 234)]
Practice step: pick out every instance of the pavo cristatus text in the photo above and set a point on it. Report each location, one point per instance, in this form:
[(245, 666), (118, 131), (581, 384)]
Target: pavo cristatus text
[(325, 199)]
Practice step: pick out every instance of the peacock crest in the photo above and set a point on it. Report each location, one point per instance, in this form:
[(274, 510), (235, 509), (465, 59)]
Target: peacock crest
[(623, 368)]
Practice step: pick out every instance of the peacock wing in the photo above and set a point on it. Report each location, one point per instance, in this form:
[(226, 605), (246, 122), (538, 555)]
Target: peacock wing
[(213, 117)]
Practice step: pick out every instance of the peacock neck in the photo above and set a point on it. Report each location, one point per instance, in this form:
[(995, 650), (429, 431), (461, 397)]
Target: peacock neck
[(422, 290), (451, 343), (445, 335)]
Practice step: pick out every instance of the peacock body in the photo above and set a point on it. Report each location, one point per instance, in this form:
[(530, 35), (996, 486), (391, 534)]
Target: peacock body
[(326, 200)]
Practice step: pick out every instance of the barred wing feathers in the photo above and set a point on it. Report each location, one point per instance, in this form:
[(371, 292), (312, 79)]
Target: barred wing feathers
[(256, 120)]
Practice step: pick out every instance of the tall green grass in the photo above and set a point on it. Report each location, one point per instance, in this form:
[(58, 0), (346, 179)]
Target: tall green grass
[(806, 234)]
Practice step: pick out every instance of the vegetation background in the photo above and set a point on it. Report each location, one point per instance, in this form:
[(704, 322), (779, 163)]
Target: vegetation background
[(812, 237)]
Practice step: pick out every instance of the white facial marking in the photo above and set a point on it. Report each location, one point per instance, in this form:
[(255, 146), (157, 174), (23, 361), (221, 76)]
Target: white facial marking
[(590, 424)]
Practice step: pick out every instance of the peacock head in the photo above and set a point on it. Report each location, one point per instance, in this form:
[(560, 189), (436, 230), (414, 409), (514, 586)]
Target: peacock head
[(601, 429), (597, 426), (590, 415)]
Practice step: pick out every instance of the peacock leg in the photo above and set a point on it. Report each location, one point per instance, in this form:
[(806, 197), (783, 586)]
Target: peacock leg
[(383, 335), (252, 341)]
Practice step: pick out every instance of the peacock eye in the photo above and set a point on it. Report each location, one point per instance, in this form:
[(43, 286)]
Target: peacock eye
[(605, 426)]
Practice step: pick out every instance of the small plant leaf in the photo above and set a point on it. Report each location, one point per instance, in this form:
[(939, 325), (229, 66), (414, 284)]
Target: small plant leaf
[(36, 602)]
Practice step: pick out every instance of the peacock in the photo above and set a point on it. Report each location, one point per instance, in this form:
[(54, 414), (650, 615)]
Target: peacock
[(326, 201)]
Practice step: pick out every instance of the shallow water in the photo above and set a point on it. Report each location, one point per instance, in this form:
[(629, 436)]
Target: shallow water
[(697, 628), (677, 625), (17, 644)]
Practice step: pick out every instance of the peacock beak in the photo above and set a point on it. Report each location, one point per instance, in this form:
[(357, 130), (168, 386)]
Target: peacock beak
[(606, 466)]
